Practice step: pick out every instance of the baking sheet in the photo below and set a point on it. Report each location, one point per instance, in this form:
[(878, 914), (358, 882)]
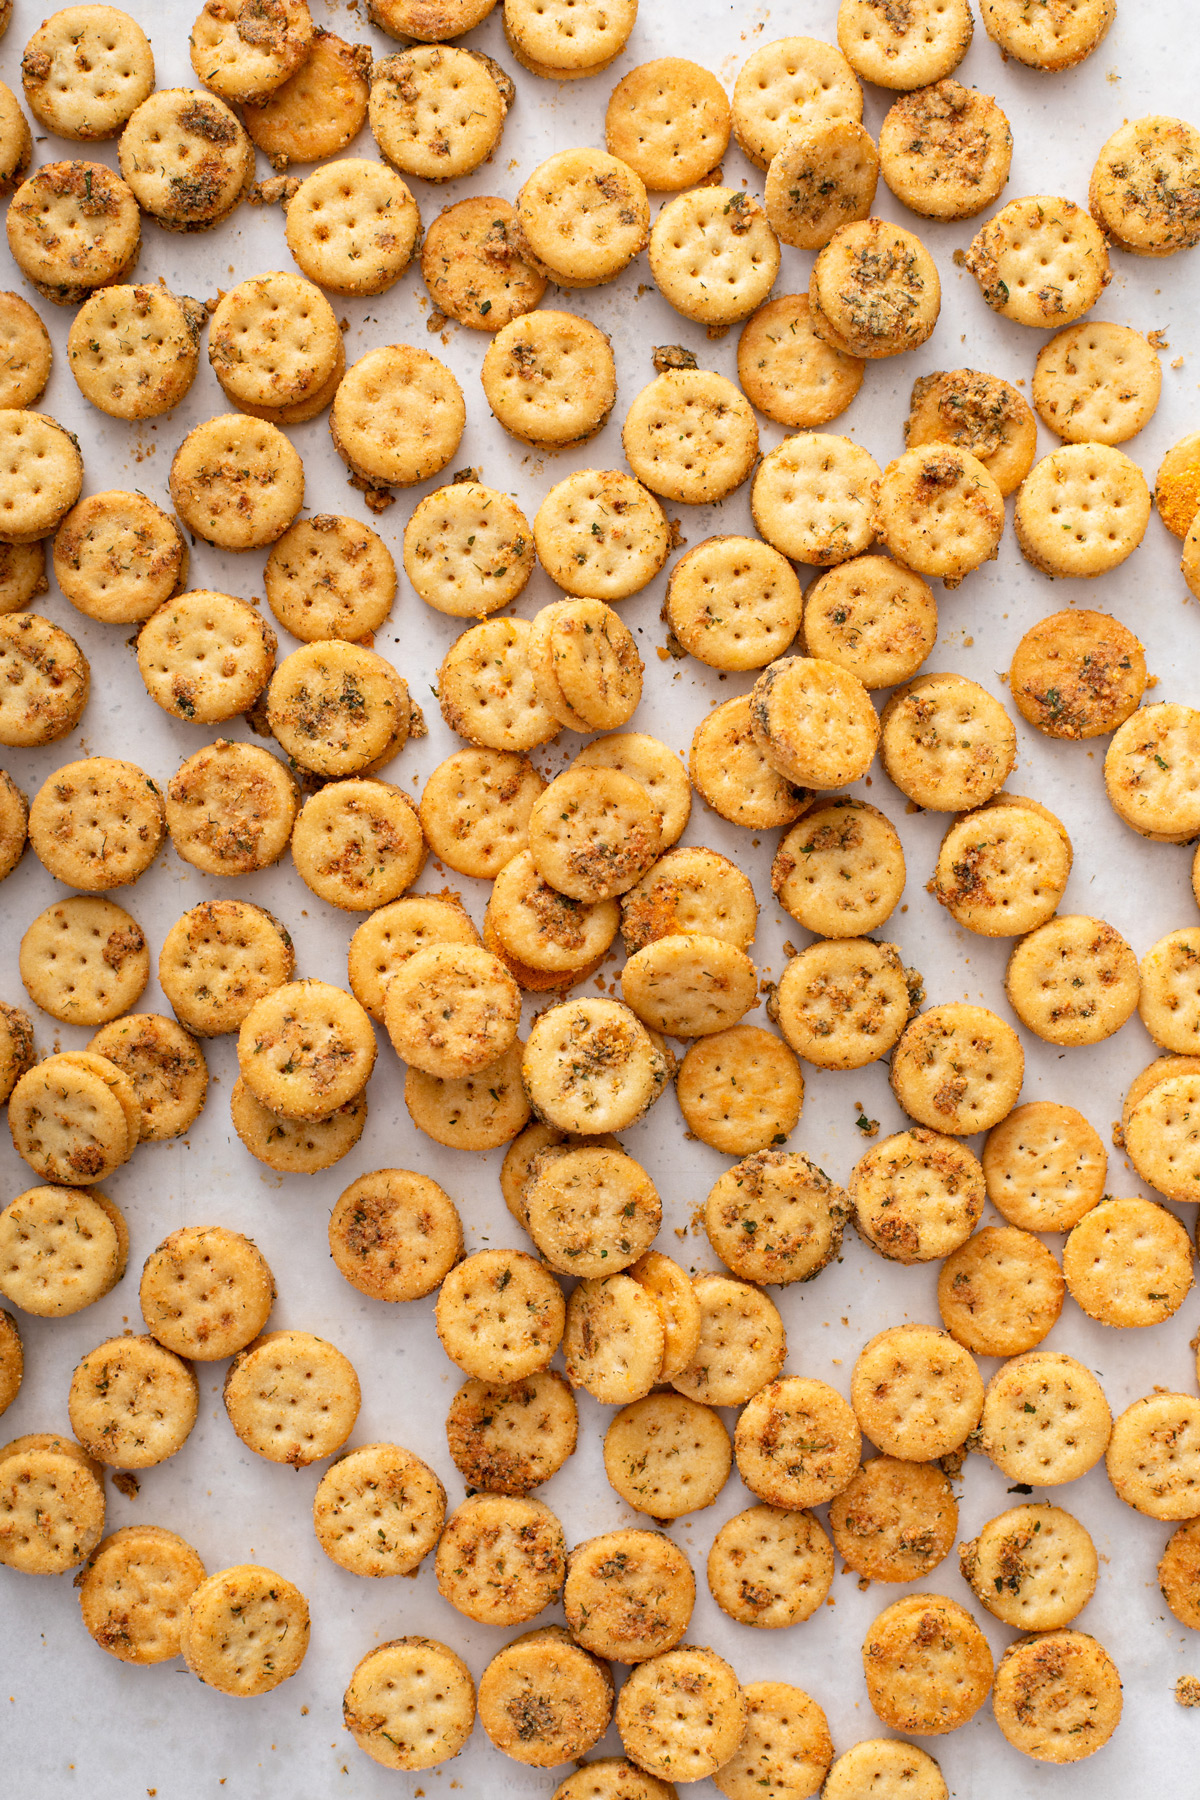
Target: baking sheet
[(74, 1718)]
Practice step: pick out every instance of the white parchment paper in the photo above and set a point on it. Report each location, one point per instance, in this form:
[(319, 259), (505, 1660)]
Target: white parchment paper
[(76, 1721)]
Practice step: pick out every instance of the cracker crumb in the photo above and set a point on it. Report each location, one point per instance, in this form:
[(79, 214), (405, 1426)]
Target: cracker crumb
[(1187, 1691), (1157, 340)]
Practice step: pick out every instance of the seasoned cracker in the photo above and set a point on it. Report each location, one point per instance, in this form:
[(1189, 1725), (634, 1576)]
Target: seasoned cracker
[(61, 1249), (1150, 771), (1045, 1418), (1002, 870), (273, 341), (230, 809), (886, 1767), (742, 1343), (429, 21), (237, 482), (1145, 187), (340, 709), (17, 1052), (714, 254), (245, 1630), (1044, 1166), (916, 1196), (245, 49), (1169, 1002), (669, 120), (187, 158), (906, 47), (927, 1664), (206, 1292), (51, 1505), (667, 1455), (958, 1068), (73, 227), (689, 889), (1097, 383), (896, 1521), (840, 871), (1178, 1574), (678, 1306), (591, 1066), (295, 1146), (1053, 38), (585, 215), (353, 226), (1162, 1137), (1057, 1696), (486, 689), (940, 511), (166, 1066), (1082, 510), (84, 960), (22, 574), (648, 761), (788, 372), (305, 1048), (501, 1560), (769, 1568), (1000, 1292), (410, 1703), (118, 557), (585, 664), (475, 809), (318, 109), (12, 1361), (797, 1443), (1040, 261), (74, 1119), (358, 844), (916, 1393), (614, 1339), (1073, 981), (134, 1588), (628, 1596), (593, 833), (97, 823), (689, 984), (543, 1700), (600, 535), (814, 721), (1077, 674), (16, 154), (787, 1747), (468, 550), (691, 436), (132, 1403), (134, 351), (591, 1211), (500, 1315), (291, 1397), (507, 1438), (873, 618), (46, 681), (218, 960), (813, 498), (481, 1111), (946, 742), (451, 1010), (842, 1003), (683, 1714), (477, 268), (397, 417), (436, 112), (874, 290), (945, 150), (206, 657), (978, 413), (1128, 1263), (1034, 1567), (740, 1090), (822, 177)]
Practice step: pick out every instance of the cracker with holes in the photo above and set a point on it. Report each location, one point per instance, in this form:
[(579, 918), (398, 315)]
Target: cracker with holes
[(1044, 1166), (600, 535), (245, 49), (940, 512), (592, 1212), (305, 1049), (1097, 383), (1045, 1419), (689, 984), (410, 1703), (678, 1307), (1169, 1003), (916, 1393), (484, 1110), (1057, 1697), (206, 1292), (945, 150), (1056, 38), (591, 1066), (683, 1714), (873, 617), (1077, 674), (134, 351), (51, 1504), (1150, 771), (187, 159), (628, 1595), (946, 742), (691, 436), (291, 1397), (1000, 1292), (436, 112), (1073, 981), (788, 372), (205, 656), (916, 1196), (1153, 1456), (319, 108), (980, 414), (896, 1521), (500, 1315), (397, 417), (542, 929), (649, 762), (507, 1438), (550, 379), (166, 1066), (904, 47), (451, 1010), (733, 776), (219, 959), (1040, 261), (669, 120), (468, 550), (690, 889), (1034, 1567), (237, 482), (787, 1741), (73, 227), (84, 960), (16, 152), (245, 1630), (594, 833), (821, 178), (813, 498), (486, 689), (1082, 510), (1002, 870), (1145, 188), (543, 1700), (585, 665), (769, 1568), (132, 1403), (740, 1090), (22, 574), (133, 1591), (714, 254), (353, 226), (61, 1249), (1163, 1139), (667, 1455), (475, 809), (561, 41), (797, 1443), (501, 1560), (874, 290), (358, 844), (97, 823), (613, 1342), (927, 1664), (958, 1068), (840, 871), (74, 1119), (814, 722), (790, 83), (584, 215), (476, 265), (1128, 1263), (230, 809), (340, 709), (118, 557), (1178, 1574), (46, 681), (273, 342), (16, 1047), (843, 1003), (734, 603)]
